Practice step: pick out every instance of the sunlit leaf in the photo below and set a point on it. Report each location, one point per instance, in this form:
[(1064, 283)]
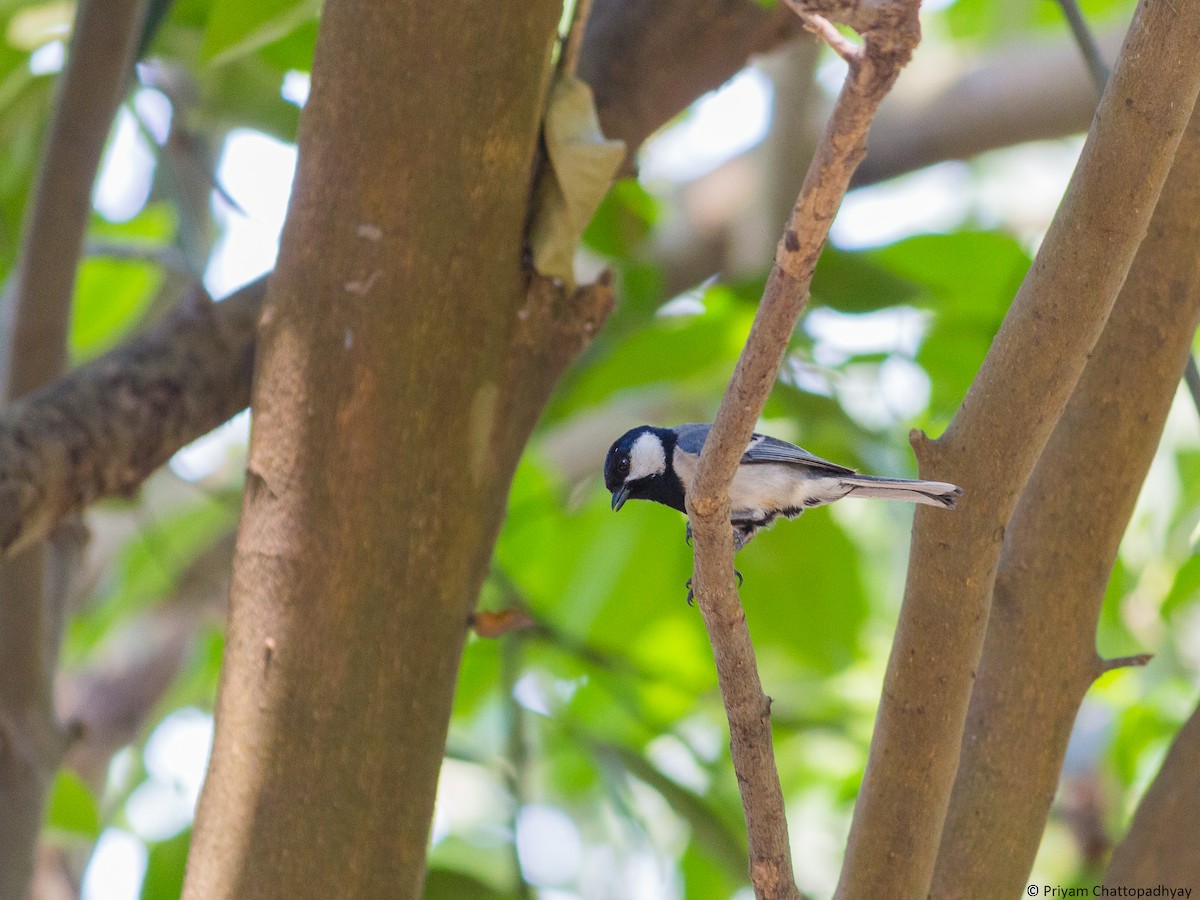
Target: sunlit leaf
[(165, 867), (71, 807), (236, 28)]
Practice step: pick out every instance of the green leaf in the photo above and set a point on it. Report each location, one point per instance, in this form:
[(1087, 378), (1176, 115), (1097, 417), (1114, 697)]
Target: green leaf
[(583, 163), (853, 283), (111, 294), (443, 884), (624, 218), (803, 591), (1185, 587), (968, 280), (237, 28), (165, 868), (72, 808)]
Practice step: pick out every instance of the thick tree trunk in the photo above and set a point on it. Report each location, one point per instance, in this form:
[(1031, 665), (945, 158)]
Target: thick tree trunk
[(403, 359)]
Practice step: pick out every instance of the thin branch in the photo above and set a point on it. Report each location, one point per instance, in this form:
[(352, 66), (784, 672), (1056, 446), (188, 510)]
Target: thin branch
[(36, 316), (991, 448), (571, 47), (1124, 662), (872, 71), (1092, 57)]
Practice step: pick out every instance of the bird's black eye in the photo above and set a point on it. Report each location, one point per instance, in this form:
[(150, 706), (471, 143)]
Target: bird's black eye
[(623, 466)]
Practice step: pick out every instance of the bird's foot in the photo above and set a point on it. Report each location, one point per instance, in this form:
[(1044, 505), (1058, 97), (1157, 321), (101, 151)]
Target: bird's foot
[(691, 595)]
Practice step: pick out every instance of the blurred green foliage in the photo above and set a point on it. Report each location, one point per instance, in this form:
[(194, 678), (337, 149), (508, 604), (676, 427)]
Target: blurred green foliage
[(604, 720)]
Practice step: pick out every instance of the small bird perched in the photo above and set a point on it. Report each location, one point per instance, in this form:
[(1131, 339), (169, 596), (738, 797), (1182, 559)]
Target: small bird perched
[(773, 479)]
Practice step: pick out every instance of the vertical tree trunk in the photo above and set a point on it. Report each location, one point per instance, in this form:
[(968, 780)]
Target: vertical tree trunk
[(392, 396)]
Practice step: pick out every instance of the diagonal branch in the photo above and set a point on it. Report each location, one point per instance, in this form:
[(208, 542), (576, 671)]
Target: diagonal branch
[(873, 69), (102, 429), (993, 442)]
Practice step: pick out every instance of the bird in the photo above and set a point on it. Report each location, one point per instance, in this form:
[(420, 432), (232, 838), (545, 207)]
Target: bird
[(774, 478)]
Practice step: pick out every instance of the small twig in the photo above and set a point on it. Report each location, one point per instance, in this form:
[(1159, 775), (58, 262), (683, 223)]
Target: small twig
[(1097, 68), (569, 58), (873, 69), (1122, 662), (499, 623), (827, 31)]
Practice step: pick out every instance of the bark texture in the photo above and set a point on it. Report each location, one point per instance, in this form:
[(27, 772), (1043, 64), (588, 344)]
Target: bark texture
[(1059, 551), (993, 443), (404, 355), (103, 428)]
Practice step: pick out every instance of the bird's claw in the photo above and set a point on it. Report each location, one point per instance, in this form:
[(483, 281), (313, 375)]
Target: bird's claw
[(691, 595)]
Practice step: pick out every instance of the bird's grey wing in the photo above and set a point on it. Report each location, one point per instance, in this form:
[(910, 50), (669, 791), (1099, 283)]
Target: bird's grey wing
[(765, 449), (690, 438), (761, 449)]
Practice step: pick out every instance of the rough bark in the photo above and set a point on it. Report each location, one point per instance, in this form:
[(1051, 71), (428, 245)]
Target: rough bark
[(36, 313), (1039, 656), (100, 430), (370, 511), (1160, 847), (993, 443)]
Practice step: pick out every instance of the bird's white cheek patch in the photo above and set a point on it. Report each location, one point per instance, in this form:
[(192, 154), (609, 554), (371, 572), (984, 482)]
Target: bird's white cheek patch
[(646, 457)]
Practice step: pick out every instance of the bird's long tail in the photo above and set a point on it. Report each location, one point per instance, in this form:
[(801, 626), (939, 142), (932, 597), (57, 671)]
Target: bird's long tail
[(932, 493)]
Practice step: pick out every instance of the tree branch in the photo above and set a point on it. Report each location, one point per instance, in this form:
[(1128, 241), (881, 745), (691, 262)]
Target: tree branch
[(993, 442), (203, 360), (873, 69), (647, 61), (1160, 847), (1088, 47), (103, 428), (36, 314), (1025, 92)]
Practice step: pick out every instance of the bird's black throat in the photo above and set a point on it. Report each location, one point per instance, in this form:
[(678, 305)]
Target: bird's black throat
[(666, 488)]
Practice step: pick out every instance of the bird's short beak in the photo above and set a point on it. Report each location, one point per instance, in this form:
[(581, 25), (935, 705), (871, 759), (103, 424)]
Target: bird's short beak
[(620, 495)]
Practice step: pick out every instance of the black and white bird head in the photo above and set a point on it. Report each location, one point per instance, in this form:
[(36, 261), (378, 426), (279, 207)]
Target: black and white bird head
[(639, 467)]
